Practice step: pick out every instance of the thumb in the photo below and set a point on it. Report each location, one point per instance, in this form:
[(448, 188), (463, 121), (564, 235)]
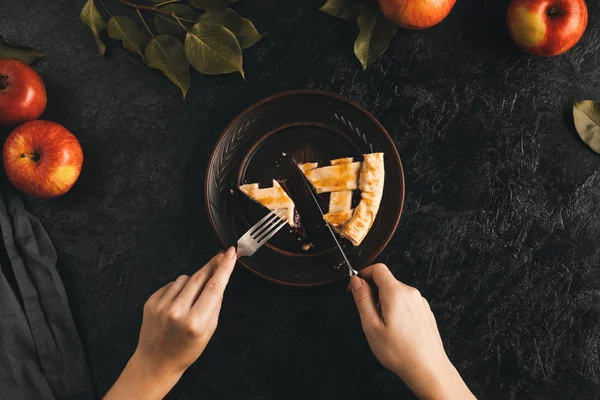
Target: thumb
[(365, 301)]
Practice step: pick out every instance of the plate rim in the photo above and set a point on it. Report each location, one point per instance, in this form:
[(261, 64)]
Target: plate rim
[(352, 103)]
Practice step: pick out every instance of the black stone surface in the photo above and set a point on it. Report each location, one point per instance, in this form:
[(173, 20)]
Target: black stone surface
[(500, 231)]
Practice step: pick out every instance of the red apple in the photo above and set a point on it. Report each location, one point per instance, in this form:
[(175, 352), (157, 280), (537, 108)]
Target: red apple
[(22, 93), (547, 27), (42, 158), (416, 14)]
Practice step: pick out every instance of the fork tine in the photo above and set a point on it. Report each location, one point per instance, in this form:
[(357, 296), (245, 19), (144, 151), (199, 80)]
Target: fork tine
[(270, 232), (260, 223), (258, 229), (274, 216), (261, 232)]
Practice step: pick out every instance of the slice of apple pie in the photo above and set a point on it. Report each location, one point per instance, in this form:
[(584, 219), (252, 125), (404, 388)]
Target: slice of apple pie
[(273, 198), (340, 179)]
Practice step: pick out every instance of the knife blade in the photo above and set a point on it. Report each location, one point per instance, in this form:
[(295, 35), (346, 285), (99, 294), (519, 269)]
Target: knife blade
[(351, 271)]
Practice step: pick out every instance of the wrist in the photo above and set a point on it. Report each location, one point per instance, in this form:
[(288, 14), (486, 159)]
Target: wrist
[(150, 371), (142, 379), (437, 381)]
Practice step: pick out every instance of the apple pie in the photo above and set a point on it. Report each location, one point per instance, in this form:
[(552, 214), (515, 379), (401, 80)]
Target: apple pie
[(273, 198), (340, 179)]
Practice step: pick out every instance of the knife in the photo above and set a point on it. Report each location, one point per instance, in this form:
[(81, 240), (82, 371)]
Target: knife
[(351, 271)]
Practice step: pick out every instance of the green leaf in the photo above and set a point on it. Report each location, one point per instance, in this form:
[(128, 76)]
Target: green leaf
[(345, 9), (375, 34), (211, 5), (243, 29), (92, 18), (213, 49), (586, 114), (170, 26), (125, 29), (22, 53), (166, 53)]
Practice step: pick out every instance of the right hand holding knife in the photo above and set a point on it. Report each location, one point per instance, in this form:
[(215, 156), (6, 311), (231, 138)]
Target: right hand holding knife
[(402, 333)]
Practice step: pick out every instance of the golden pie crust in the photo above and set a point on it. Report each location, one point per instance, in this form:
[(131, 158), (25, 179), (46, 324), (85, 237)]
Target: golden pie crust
[(272, 198), (340, 179)]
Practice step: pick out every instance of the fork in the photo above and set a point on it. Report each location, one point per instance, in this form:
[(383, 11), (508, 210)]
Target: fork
[(260, 233)]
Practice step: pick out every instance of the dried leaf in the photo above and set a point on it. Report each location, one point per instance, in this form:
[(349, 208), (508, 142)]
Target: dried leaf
[(243, 29), (125, 29), (23, 53), (375, 34), (92, 18), (168, 26), (586, 114), (213, 49), (211, 5), (166, 53), (345, 9)]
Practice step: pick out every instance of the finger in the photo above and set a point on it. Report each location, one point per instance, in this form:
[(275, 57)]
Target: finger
[(213, 291), (380, 274), (365, 301), (159, 293), (195, 284), (207, 324), (214, 317), (174, 289)]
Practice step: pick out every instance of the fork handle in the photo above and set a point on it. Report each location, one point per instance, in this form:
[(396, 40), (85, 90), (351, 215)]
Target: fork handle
[(243, 251)]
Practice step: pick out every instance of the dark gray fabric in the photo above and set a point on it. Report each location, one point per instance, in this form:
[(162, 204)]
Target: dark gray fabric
[(41, 356)]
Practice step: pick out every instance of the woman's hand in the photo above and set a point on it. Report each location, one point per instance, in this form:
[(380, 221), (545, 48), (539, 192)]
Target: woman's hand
[(179, 320), (403, 335)]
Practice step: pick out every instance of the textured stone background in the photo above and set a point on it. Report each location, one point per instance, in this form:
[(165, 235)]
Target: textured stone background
[(500, 230)]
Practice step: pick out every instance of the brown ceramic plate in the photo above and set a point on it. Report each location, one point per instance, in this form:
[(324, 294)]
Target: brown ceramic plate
[(258, 145)]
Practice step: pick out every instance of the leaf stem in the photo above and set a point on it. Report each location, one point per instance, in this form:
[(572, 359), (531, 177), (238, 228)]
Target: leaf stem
[(179, 20), (166, 2), (191, 21), (106, 9), (144, 22), (166, 19), (154, 9)]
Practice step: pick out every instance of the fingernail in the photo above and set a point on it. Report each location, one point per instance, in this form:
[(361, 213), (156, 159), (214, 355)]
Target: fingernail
[(355, 284), (230, 253)]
